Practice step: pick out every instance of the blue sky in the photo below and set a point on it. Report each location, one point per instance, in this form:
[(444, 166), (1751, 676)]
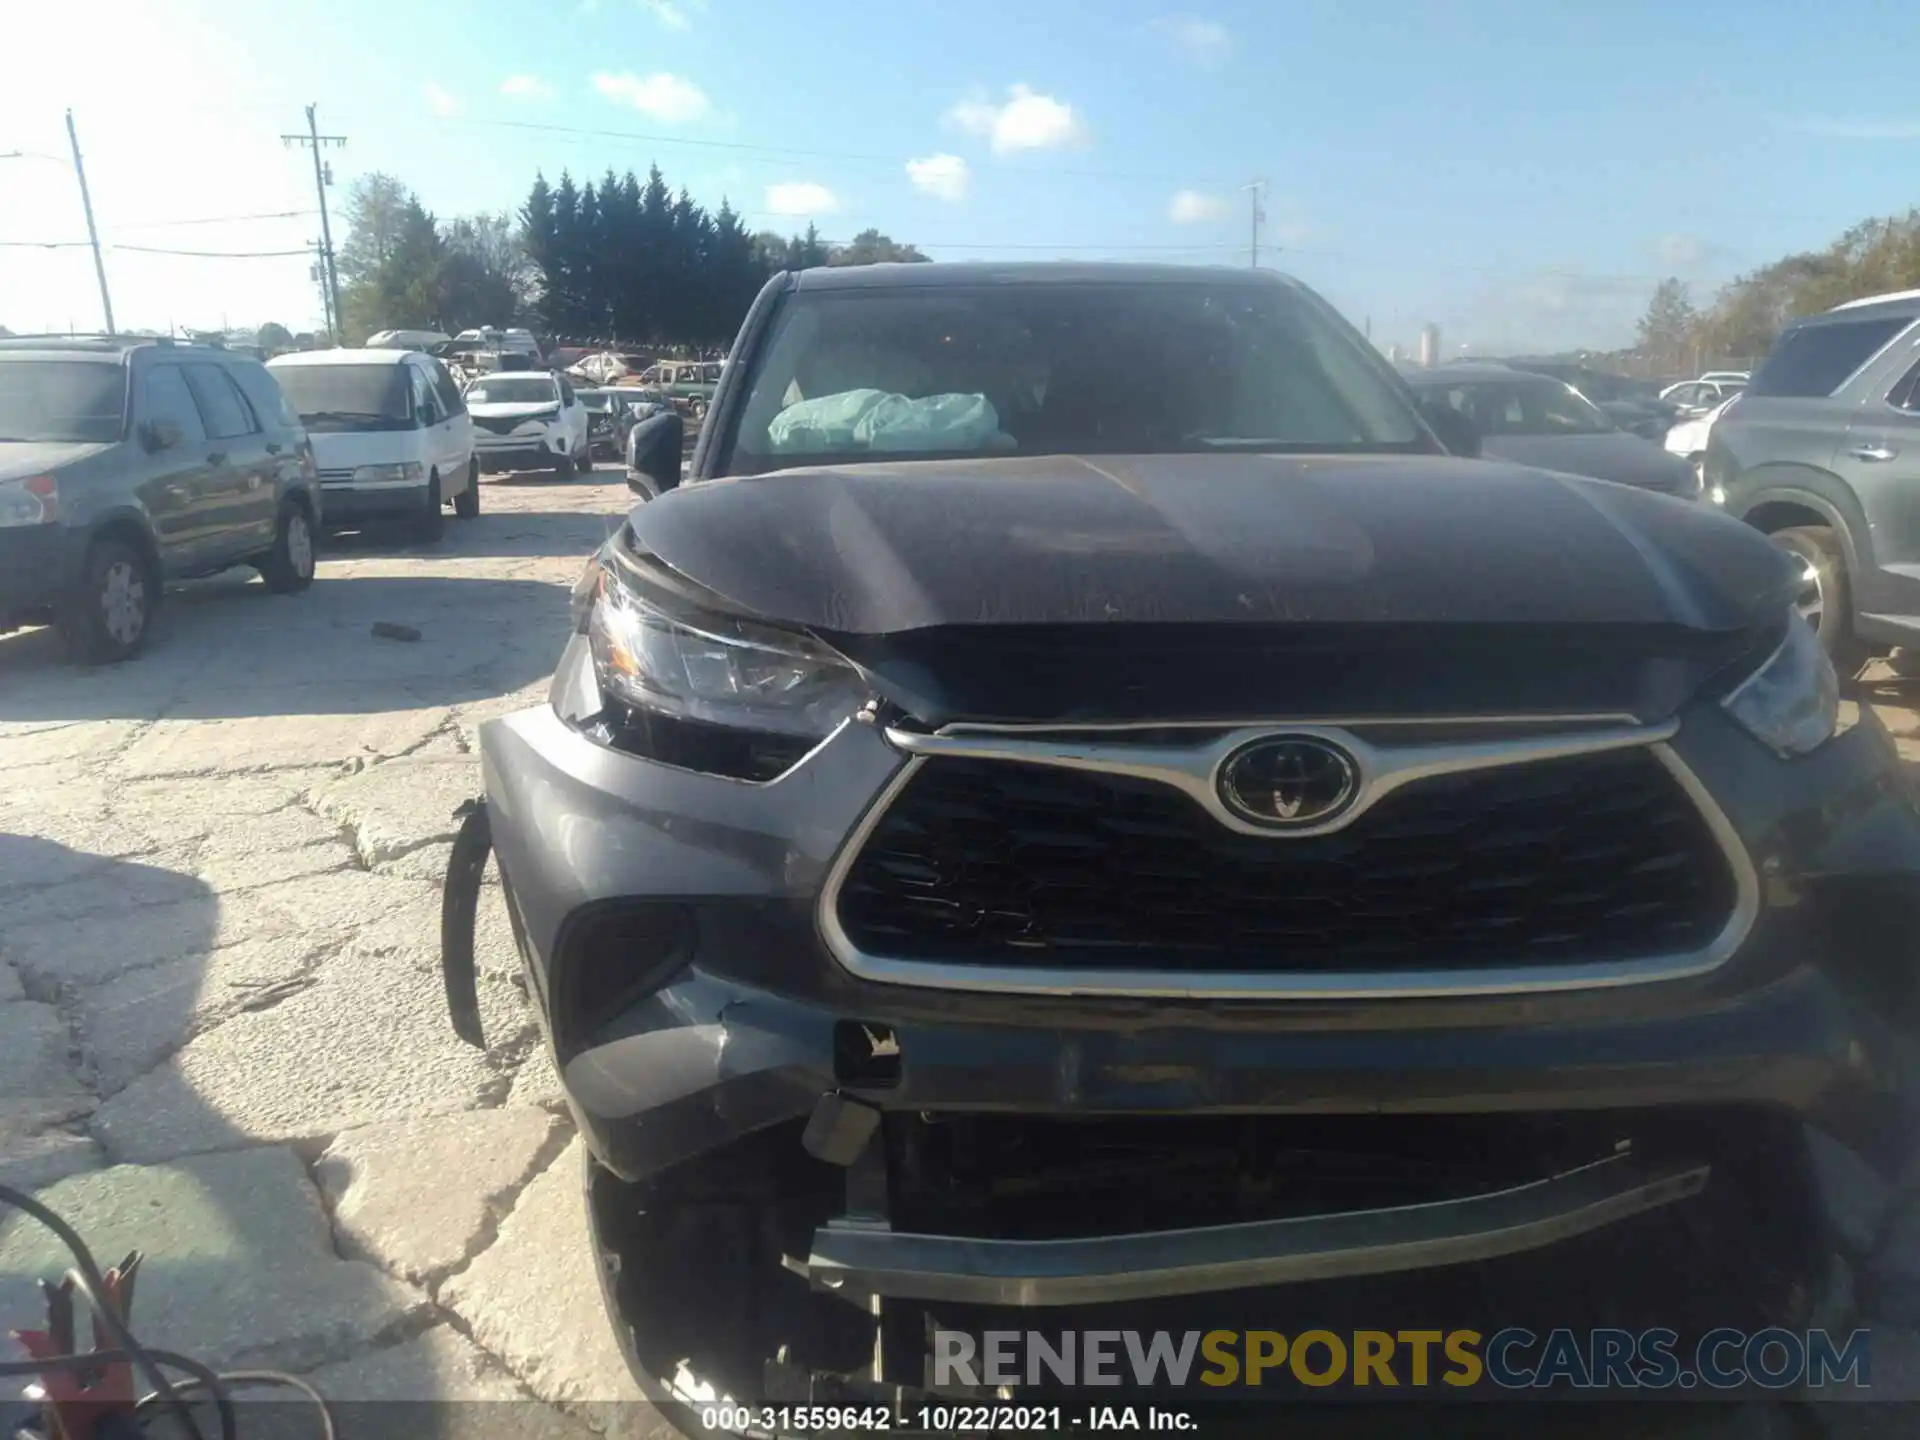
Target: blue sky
[(1519, 171)]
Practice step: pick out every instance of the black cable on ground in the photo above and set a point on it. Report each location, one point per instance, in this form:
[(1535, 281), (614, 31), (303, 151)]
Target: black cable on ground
[(93, 1285), (240, 1379)]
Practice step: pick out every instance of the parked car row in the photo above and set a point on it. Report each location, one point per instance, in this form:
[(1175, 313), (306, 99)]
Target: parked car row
[(130, 462)]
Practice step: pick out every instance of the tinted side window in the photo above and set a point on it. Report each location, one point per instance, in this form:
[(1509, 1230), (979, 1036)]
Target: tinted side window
[(1813, 360), (222, 406), (263, 391), (164, 396)]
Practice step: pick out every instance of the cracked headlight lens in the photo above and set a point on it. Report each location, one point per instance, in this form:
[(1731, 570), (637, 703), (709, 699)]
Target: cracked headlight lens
[(655, 651), (1792, 702)]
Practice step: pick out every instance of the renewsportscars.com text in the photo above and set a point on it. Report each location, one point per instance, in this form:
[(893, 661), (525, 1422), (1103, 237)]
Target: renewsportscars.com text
[(1510, 1359)]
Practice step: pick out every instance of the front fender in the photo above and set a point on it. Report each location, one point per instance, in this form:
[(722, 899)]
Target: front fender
[(1816, 490)]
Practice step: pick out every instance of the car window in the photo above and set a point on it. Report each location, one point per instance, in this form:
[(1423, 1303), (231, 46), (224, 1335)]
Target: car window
[(62, 400), (511, 390), (260, 388), (223, 409), (445, 388), (164, 396), (566, 390), (1815, 360), (423, 396), (1097, 369), (1905, 394)]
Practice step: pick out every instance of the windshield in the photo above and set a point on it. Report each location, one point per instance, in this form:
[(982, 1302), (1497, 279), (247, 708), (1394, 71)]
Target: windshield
[(334, 398), (1065, 369), (512, 390), (83, 401), (1524, 407)]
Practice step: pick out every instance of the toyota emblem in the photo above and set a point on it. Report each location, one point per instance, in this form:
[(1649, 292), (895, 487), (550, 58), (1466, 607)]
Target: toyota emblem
[(1289, 781)]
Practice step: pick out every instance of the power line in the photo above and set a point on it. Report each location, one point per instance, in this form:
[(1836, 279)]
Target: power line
[(210, 254), (795, 152), (218, 220)]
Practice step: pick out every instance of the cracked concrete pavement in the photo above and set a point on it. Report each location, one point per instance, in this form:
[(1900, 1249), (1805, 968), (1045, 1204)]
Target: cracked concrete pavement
[(222, 1033)]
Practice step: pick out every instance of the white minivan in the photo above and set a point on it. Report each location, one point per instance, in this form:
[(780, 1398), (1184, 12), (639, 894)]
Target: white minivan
[(391, 436)]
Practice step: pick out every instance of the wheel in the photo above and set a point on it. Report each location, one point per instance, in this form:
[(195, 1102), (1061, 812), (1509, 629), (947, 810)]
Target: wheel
[(583, 462), (289, 565), (698, 410), (112, 609), (563, 468), (1824, 598), (467, 503), (432, 522)]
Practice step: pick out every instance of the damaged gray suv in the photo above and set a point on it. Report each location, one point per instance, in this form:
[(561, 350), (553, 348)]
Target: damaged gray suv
[(1085, 800)]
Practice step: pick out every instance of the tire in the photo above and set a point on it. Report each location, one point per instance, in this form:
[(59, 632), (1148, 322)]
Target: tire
[(112, 611), (584, 461), (697, 411), (563, 468), (432, 522), (1826, 599), (467, 503), (289, 566)]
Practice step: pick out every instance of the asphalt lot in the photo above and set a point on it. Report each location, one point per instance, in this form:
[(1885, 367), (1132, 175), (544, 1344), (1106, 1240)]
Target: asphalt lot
[(222, 1034)]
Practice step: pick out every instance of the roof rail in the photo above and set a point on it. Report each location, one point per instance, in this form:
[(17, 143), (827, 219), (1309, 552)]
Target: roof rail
[(91, 335), (1876, 299)]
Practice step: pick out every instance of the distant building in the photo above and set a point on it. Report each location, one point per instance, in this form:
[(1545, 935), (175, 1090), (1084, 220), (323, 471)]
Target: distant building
[(1394, 354), (1429, 345)]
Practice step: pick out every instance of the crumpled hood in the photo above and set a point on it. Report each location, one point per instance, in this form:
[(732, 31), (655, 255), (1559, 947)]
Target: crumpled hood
[(20, 458), (1210, 540), (1615, 455)]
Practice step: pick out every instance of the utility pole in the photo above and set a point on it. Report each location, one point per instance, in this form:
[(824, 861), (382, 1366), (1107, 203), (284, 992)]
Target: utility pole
[(93, 236), (321, 178), (1253, 189)]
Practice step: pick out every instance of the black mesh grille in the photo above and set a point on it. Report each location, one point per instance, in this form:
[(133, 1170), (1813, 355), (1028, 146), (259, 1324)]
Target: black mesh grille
[(1597, 857)]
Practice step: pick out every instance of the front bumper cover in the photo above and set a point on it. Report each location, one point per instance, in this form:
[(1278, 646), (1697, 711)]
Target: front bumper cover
[(748, 1028)]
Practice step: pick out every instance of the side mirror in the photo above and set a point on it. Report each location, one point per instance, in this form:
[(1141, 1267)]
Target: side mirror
[(653, 452), (1454, 430), (158, 435)]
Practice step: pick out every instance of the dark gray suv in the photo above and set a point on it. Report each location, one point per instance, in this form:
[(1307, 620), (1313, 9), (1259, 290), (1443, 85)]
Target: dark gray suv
[(126, 462), (1822, 452)]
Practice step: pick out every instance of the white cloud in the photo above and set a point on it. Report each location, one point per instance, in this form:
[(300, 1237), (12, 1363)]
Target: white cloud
[(526, 87), (442, 101), (662, 96), (944, 176), (801, 197), (675, 14), (1844, 128), (1027, 121), (1190, 207), (1205, 40)]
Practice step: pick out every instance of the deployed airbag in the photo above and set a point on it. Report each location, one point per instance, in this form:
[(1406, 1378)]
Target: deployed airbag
[(877, 420)]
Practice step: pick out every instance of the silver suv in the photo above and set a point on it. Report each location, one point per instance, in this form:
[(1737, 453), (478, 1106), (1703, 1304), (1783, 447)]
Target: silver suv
[(1822, 452)]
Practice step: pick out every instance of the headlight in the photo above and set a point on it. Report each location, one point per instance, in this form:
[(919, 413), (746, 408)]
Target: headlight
[(32, 501), (410, 472), (1792, 702), (656, 652)]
